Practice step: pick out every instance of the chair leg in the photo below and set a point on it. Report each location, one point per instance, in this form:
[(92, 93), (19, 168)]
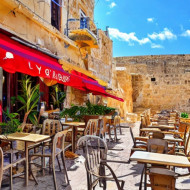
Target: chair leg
[(43, 162), (54, 175), (58, 163), (115, 131), (120, 130), (11, 178), (64, 166)]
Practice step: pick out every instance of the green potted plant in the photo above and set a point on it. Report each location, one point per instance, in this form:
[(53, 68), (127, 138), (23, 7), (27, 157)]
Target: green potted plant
[(29, 99), (184, 115), (57, 96), (12, 123)]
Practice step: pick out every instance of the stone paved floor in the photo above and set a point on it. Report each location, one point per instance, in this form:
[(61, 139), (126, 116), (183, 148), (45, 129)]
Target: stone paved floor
[(130, 173)]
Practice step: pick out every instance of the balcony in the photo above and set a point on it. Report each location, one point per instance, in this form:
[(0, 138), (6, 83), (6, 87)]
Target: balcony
[(79, 31)]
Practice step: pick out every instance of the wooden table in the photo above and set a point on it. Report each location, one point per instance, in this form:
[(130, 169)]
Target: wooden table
[(160, 159), (162, 127), (170, 138), (74, 126), (149, 130), (28, 138)]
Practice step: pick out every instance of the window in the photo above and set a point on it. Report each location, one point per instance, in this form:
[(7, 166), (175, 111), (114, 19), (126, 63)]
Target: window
[(56, 13), (84, 20)]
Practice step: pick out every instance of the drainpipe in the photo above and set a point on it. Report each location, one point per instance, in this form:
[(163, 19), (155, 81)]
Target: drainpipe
[(67, 27)]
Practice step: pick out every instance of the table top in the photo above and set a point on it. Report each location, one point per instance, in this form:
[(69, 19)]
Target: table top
[(150, 129), (27, 137), (73, 123), (172, 139), (161, 159), (161, 126)]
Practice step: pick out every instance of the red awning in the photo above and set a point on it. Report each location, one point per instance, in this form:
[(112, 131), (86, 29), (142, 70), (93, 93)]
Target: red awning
[(108, 95), (90, 85), (32, 62), (93, 86)]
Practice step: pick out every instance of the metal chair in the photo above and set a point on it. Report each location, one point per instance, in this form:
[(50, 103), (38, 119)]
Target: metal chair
[(57, 148), (95, 150)]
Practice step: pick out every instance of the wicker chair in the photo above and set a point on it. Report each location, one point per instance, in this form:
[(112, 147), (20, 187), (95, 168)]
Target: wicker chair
[(95, 150)]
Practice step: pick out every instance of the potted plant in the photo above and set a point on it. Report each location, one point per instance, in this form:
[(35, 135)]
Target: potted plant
[(11, 125), (57, 96), (29, 99)]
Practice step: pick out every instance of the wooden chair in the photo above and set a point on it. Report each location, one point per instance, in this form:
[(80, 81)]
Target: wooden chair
[(57, 149), (51, 127), (95, 150), (114, 126), (91, 127), (183, 150), (162, 179), (139, 143), (9, 165), (157, 146)]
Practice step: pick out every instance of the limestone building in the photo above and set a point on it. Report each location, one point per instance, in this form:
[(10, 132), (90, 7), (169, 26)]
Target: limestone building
[(65, 31)]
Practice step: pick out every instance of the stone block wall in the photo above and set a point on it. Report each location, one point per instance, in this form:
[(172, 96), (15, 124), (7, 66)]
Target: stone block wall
[(159, 82)]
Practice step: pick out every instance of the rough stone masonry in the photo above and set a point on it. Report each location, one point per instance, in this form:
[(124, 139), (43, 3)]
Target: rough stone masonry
[(158, 82)]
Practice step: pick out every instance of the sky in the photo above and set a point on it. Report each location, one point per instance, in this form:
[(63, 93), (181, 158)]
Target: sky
[(145, 27)]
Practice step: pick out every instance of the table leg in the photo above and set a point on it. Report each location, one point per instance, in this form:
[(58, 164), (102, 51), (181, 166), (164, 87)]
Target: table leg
[(145, 176), (73, 138), (26, 167)]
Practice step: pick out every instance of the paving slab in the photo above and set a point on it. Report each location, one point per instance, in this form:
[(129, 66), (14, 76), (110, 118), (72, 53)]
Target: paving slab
[(130, 173)]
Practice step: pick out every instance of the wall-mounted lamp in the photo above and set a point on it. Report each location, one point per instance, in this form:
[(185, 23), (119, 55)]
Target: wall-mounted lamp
[(3, 79), (8, 55)]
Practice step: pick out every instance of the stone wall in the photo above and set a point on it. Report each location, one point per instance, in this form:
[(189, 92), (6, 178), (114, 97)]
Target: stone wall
[(159, 82), (31, 21)]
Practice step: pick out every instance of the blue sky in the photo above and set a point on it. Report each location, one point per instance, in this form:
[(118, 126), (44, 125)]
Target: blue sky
[(145, 27)]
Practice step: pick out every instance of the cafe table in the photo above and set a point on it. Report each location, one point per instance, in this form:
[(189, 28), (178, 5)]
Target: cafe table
[(160, 159), (27, 138), (162, 127), (74, 126), (149, 130)]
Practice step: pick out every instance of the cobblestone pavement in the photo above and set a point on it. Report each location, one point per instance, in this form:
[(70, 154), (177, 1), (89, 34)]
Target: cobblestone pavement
[(130, 173)]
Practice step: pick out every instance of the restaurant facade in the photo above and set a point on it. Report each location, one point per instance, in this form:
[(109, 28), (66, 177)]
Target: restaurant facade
[(56, 41)]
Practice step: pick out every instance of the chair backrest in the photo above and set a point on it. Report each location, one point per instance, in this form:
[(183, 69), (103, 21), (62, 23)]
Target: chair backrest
[(28, 128), (187, 143), (143, 122), (184, 128), (117, 120), (51, 127), (1, 165), (157, 146), (158, 135), (92, 127), (59, 142), (95, 150), (162, 179)]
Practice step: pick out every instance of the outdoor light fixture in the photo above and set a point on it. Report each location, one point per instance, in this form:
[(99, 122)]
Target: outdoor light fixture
[(9, 55)]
